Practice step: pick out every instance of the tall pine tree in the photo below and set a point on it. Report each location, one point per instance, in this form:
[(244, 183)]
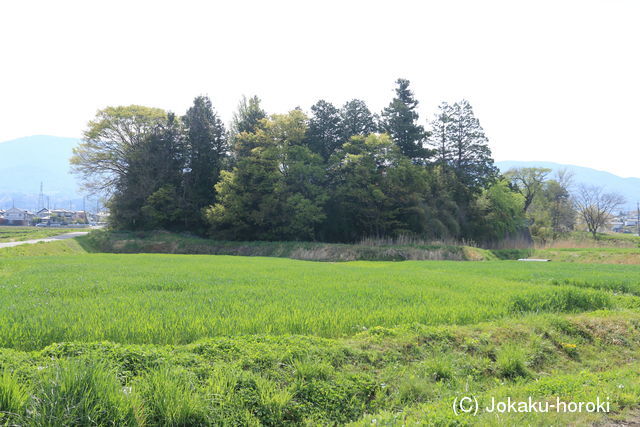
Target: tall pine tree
[(439, 137), (400, 121), (325, 133), (207, 148), (469, 147)]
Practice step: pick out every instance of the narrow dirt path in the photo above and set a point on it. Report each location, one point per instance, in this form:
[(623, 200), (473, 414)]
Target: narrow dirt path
[(46, 239)]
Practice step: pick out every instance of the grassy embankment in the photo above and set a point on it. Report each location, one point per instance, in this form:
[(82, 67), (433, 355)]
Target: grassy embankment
[(582, 248), (162, 242), (17, 234), (196, 340), (579, 248)]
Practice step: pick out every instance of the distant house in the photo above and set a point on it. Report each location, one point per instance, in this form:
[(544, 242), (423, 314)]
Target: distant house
[(61, 216), (2, 220), (44, 215), (15, 216)]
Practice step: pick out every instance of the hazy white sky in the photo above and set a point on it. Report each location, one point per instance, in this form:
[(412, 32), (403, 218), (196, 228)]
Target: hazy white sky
[(550, 80)]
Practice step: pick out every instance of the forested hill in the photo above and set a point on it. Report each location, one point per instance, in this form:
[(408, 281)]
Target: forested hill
[(28, 161), (629, 188)]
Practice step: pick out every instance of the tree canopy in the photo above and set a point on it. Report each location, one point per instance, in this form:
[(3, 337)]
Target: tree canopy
[(275, 192), (102, 158), (337, 174)]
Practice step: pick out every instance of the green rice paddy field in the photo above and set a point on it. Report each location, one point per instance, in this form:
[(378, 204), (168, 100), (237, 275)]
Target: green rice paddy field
[(152, 339)]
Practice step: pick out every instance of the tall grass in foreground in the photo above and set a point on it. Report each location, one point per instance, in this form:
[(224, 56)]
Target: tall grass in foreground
[(81, 392), (13, 399), (170, 397), (381, 374)]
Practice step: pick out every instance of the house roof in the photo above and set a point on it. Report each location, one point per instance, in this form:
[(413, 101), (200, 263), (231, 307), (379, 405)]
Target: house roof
[(15, 210)]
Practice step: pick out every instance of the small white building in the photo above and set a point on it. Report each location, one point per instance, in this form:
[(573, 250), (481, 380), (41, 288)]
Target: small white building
[(15, 216)]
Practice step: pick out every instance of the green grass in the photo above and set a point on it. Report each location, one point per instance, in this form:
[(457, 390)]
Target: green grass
[(74, 391), (620, 237), (16, 234), (582, 239), (59, 247), (408, 374), (160, 339), (591, 255), (177, 299)]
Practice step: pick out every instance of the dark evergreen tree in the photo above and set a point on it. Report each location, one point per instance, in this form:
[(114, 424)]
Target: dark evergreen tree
[(206, 152), (248, 115), (325, 133), (463, 160), (468, 147), (356, 119), (375, 192), (440, 134), (400, 121)]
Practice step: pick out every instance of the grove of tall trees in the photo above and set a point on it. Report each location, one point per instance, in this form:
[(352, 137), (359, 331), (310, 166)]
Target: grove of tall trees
[(337, 174)]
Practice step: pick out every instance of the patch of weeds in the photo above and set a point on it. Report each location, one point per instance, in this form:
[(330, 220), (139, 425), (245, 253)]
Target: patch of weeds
[(169, 397), (13, 399), (511, 362), (81, 392)]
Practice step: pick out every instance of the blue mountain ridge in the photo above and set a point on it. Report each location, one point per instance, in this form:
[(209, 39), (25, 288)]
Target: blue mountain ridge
[(629, 188)]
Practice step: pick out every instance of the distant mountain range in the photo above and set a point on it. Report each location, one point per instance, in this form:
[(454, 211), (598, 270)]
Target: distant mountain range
[(629, 188), (27, 162)]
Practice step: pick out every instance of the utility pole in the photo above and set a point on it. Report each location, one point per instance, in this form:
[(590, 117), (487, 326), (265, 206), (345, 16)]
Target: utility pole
[(40, 198), (638, 218)]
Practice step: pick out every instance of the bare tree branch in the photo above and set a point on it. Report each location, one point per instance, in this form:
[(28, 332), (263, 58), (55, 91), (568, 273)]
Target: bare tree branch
[(596, 207)]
